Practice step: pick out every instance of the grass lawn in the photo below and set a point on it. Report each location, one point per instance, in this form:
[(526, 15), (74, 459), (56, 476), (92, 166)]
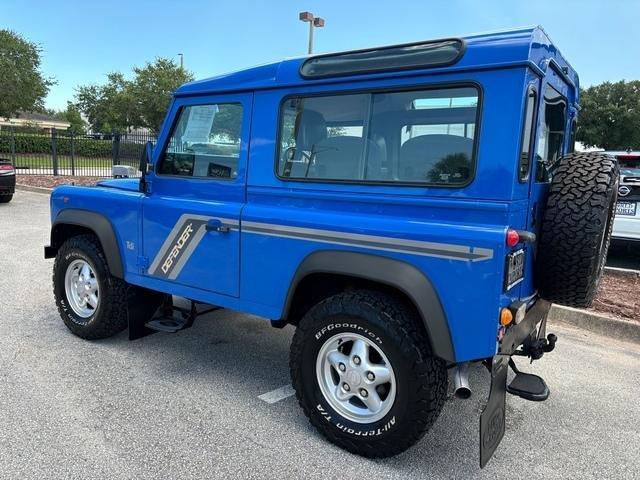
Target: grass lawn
[(45, 161)]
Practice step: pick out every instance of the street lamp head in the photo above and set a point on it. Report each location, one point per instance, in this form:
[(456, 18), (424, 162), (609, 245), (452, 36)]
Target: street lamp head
[(306, 16), (318, 22)]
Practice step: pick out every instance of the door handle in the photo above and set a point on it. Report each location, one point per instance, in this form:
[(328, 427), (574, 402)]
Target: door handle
[(216, 225)]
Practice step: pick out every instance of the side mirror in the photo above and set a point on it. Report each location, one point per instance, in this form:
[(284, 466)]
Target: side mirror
[(145, 165), (145, 158)]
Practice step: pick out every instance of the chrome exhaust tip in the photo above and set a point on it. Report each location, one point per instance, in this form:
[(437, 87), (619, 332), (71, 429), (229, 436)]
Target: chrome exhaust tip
[(461, 381)]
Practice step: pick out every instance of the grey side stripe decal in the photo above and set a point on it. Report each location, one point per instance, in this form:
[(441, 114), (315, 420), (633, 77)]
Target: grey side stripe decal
[(184, 238), (416, 247)]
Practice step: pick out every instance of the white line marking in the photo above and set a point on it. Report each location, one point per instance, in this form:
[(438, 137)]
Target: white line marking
[(278, 394)]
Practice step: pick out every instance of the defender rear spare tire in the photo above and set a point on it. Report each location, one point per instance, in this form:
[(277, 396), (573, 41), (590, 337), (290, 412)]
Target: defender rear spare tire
[(363, 373), (91, 302), (576, 228)]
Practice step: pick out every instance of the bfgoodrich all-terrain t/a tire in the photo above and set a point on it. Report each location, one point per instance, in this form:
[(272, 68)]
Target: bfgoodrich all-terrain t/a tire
[(91, 302), (576, 228), (363, 373)]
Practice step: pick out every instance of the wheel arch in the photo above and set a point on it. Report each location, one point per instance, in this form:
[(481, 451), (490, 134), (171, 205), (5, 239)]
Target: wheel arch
[(389, 273), (72, 222)]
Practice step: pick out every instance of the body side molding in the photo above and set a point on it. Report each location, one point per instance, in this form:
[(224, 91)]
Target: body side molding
[(391, 272)]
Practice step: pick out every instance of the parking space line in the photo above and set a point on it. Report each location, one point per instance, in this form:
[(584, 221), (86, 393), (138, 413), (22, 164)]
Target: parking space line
[(278, 394)]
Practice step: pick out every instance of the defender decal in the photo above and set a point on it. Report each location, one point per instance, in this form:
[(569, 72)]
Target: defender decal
[(180, 244)]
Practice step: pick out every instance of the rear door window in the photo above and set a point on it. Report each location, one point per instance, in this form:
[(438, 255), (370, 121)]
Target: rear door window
[(551, 139)]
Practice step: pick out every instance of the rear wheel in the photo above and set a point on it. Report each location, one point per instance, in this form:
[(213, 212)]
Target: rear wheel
[(363, 373), (5, 198), (576, 228), (91, 302)]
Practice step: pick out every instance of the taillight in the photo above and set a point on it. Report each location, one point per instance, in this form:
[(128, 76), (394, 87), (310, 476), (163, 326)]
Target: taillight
[(513, 237), (6, 167)]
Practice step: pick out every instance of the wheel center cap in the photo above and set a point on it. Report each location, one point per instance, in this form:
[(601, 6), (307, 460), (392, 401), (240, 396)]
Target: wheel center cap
[(353, 378)]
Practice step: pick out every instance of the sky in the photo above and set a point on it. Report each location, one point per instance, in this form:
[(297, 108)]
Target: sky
[(83, 40)]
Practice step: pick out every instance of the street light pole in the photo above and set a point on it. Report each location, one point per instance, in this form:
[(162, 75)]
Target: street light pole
[(181, 60), (313, 22)]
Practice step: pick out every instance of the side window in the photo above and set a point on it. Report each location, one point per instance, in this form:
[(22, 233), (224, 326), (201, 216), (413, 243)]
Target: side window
[(527, 135), (422, 137), (437, 132), (551, 138), (322, 137), (205, 142)]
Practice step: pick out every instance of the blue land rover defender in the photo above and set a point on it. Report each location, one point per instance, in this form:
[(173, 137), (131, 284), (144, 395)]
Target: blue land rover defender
[(409, 208)]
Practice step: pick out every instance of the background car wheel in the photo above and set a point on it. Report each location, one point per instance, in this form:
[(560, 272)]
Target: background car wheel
[(91, 302), (5, 198), (363, 373), (576, 228)]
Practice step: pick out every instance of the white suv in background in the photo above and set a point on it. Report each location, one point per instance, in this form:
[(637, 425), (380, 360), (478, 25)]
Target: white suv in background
[(626, 226)]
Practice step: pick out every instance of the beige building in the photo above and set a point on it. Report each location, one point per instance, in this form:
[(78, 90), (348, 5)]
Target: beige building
[(37, 120)]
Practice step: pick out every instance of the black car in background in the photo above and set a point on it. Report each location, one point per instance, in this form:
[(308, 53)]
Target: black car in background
[(7, 180)]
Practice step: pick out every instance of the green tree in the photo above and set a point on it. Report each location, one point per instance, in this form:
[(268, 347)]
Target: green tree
[(107, 107), (74, 117), (151, 91), (22, 84), (610, 116), (142, 102)]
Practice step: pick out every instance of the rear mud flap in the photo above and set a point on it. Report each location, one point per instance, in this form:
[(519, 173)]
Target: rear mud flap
[(492, 420)]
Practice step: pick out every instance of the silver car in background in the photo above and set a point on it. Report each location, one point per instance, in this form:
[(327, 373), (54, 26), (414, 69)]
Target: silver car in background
[(626, 226)]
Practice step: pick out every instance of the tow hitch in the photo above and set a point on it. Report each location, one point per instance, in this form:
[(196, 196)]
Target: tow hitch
[(538, 347)]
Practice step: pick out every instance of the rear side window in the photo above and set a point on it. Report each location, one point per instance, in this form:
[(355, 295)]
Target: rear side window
[(205, 142), (418, 136)]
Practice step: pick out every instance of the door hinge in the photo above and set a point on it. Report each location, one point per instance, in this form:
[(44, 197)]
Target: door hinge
[(143, 262)]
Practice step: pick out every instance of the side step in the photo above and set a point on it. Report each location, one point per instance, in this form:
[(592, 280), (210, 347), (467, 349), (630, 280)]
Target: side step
[(527, 386), (166, 324), (171, 319)]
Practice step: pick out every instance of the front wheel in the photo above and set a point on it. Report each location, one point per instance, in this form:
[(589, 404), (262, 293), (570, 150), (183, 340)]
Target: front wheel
[(363, 374), (91, 302)]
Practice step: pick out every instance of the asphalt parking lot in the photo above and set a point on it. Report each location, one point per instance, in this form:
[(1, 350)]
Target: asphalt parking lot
[(186, 405)]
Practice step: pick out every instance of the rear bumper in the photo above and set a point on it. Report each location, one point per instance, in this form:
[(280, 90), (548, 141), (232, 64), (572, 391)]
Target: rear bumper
[(518, 334), (492, 420), (7, 184), (626, 228)]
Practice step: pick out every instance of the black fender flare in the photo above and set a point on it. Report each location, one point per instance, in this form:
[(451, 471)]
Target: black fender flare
[(99, 225), (394, 273)]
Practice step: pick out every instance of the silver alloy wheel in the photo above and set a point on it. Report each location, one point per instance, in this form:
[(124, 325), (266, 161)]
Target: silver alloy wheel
[(356, 378), (81, 288)]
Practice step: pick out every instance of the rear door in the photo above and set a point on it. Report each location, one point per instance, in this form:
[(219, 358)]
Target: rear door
[(191, 215), (548, 116)]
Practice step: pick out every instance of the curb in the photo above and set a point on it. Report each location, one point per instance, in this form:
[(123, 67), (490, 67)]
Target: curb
[(623, 271), (607, 326), (28, 188)]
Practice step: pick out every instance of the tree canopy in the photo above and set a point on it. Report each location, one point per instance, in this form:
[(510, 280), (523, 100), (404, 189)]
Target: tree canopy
[(22, 84), (610, 116), (74, 117), (141, 102)]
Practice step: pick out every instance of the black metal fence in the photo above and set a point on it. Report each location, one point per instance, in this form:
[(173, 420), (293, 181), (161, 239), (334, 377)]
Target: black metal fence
[(65, 153)]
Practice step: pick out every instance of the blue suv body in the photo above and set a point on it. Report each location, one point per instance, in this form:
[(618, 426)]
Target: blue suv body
[(415, 171)]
